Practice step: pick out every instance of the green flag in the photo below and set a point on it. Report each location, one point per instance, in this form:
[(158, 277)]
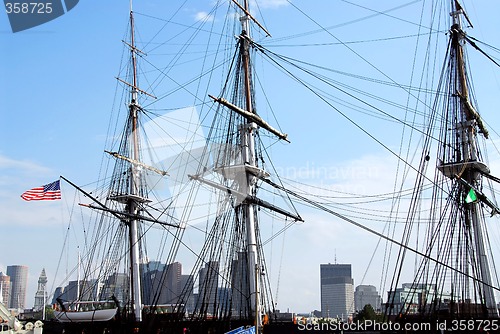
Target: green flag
[(471, 196)]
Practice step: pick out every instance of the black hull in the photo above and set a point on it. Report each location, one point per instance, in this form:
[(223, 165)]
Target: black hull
[(161, 325), (157, 326), (154, 325)]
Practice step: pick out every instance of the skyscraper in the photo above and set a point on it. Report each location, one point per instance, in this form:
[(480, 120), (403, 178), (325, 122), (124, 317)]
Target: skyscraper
[(171, 288), (337, 292), (4, 289), (115, 285), (19, 279), (152, 273), (366, 294), (240, 293), (41, 292), (208, 284), (187, 285)]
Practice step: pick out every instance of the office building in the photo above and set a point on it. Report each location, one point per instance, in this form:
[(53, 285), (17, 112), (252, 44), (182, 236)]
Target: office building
[(366, 295), (19, 281), (337, 291), (240, 286), (58, 293), (4, 289), (171, 289), (413, 298), (116, 285), (187, 287), (151, 278), (208, 285)]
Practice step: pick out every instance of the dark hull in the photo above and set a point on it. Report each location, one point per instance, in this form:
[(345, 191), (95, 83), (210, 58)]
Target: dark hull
[(191, 327), (156, 324), (162, 325)]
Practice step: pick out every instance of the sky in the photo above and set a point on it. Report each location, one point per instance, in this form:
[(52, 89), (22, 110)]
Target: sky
[(57, 87)]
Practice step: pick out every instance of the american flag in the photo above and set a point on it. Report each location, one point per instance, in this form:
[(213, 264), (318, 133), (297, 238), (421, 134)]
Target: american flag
[(47, 192)]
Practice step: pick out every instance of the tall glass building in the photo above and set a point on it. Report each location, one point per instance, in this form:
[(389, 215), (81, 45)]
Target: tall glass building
[(19, 281), (337, 291)]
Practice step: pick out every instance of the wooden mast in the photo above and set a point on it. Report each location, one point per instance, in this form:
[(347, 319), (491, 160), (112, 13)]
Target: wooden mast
[(466, 131), (248, 132), (247, 172), (135, 186)]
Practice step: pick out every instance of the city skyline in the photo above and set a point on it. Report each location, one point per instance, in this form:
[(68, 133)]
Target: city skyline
[(175, 286), (338, 298)]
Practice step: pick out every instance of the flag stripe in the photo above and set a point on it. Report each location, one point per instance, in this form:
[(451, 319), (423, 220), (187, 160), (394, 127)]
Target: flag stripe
[(49, 192)]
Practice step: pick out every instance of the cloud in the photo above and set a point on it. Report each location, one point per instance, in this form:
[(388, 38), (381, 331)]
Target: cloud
[(7, 163), (18, 176), (28, 227), (270, 3), (203, 16)]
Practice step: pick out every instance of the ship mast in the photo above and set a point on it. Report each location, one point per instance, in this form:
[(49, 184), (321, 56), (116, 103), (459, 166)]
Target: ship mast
[(454, 277), (467, 166), (248, 154), (243, 174), (135, 185)]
